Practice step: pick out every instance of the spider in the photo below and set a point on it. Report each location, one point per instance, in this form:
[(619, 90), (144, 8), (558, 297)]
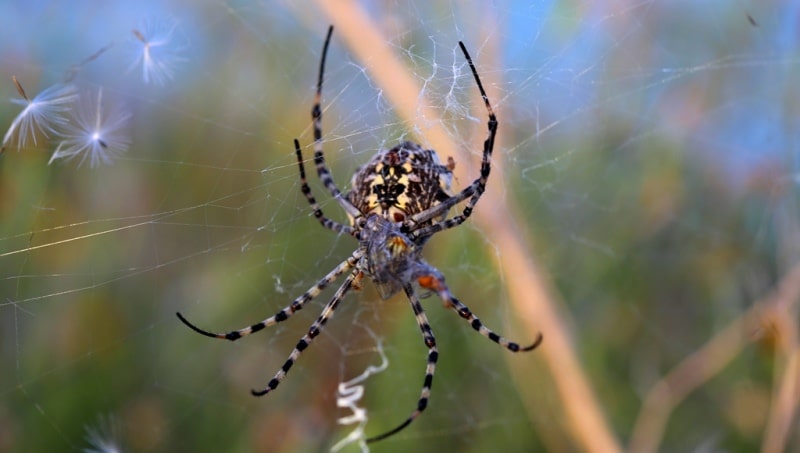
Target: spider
[(399, 199)]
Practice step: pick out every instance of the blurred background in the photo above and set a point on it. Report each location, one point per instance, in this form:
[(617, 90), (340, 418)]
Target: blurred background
[(647, 163)]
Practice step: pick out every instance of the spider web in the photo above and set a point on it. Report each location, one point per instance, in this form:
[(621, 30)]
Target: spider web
[(649, 149)]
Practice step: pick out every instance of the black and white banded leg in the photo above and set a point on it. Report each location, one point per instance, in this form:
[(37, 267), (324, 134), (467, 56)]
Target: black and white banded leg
[(313, 331), (474, 190), (304, 187), (319, 156), (436, 283), (287, 311), (430, 368)]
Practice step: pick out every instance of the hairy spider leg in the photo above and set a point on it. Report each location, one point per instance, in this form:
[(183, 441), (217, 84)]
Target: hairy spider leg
[(313, 331), (433, 356), (319, 157), (287, 311), (474, 190), (304, 187), (436, 283)]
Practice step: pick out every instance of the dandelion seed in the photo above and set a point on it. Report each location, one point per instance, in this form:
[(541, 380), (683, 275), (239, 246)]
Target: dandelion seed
[(73, 70), (104, 436), (97, 132), (41, 115), (157, 49)]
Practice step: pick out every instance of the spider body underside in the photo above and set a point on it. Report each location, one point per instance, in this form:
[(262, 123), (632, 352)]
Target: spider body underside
[(399, 199), (393, 186)]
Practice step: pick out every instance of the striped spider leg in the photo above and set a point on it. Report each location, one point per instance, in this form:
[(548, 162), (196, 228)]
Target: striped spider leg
[(394, 261), (474, 190), (286, 312)]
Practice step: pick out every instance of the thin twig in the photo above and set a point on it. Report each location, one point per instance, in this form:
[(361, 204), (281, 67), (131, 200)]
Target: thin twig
[(712, 358), (782, 319), (784, 405)]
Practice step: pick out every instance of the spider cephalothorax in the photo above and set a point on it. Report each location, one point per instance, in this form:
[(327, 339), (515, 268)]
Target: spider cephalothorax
[(391, 259), (399, 199)]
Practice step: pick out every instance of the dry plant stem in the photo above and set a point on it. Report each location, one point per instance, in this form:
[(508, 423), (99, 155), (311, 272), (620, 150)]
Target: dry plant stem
[(784, 405), (784, 398), (715, 355), (530, 296), (696, 369)]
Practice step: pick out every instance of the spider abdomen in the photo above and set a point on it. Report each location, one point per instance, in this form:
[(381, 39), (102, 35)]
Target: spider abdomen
[(400, 182)]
